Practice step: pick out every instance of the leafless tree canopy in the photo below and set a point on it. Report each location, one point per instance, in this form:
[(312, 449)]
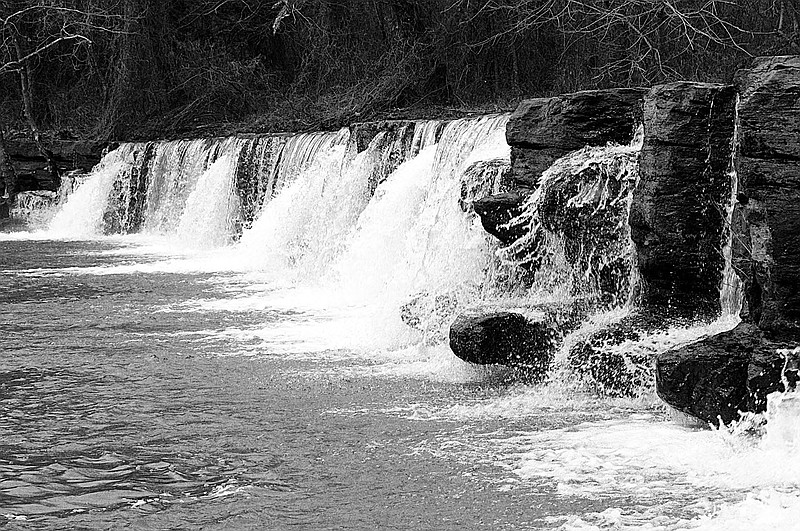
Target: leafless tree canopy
[(121, 68)]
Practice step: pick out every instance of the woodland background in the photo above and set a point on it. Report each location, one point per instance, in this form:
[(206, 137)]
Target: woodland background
[(132, 69)]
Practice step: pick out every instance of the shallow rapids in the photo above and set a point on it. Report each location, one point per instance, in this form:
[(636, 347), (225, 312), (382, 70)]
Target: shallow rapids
[(146, 388)]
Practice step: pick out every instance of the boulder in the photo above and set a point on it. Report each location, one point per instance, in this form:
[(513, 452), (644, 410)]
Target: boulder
[(708, 379), (542, 130), (497, 210), (677, 215), (716, 378), (505, 338), (767, 254)]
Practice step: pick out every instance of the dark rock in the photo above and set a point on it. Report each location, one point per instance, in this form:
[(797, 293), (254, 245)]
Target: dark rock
[(677, 216), (768, 369), (31, 166), (483, 178), (601, 362), (253, 184), (497, 210), (542, 130), (769, 108), (505, 338), (716, 378), (768, 210), (708, 379)]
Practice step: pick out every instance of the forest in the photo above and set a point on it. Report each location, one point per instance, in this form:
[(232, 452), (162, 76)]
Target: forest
[(133, 69)]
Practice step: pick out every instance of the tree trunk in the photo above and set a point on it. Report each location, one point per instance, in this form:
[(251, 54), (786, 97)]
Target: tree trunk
[(27, 104), (8, 179)]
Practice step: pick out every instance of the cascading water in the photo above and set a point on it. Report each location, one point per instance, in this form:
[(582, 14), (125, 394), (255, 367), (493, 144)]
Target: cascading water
[(82, 214), (576, 224), (731, 292)]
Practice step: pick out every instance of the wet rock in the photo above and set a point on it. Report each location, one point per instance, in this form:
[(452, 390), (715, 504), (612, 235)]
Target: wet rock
[(483, 178), (497, 210), (425, 311), (677, 215), (708, 379), (716, 378), (769, 370), (505, 338), (767, 254), (31, 166), (578, 216), (603, 360), (542, 130)]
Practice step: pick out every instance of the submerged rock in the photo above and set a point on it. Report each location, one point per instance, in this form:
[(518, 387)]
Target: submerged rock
[(505, 338), (429, 313), (604, 360)]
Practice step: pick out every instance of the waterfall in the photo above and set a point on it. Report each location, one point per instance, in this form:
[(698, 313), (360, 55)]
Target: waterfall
[(297, 200), (323, 184), (211, 208), (35, 208), (577, 237), (82, 214), (731, 291)]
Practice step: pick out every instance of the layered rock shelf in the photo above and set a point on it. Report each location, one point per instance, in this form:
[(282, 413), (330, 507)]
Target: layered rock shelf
[(735, 371), (680, 224)]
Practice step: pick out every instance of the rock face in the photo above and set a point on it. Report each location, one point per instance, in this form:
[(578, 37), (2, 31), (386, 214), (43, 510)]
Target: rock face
[(497, 210), (768, 210), (542, 130), (506, 338), (31, 167), (736, 370), (677, 216)]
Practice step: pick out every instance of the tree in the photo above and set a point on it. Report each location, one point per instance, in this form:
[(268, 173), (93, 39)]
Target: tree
[(34, 31)]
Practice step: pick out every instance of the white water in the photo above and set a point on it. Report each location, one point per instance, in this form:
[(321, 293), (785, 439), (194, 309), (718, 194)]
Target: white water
[(211, 208), (82, 213)]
